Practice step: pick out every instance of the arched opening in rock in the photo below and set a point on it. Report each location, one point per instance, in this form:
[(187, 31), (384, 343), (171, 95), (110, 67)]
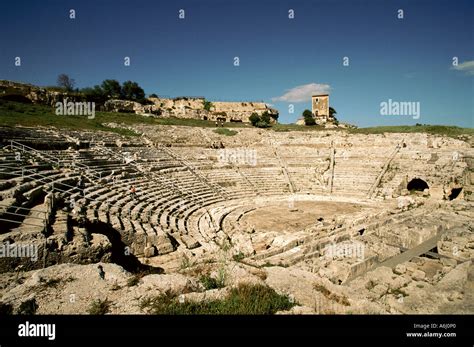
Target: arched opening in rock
[(119, 256), (454, 193), (361, 231), (417, 184)]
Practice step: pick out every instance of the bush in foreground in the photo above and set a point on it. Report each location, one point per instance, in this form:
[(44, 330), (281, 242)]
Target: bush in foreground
[(245, 299), (99, 307)]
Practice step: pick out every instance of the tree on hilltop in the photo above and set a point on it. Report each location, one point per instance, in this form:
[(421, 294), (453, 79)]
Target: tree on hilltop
[(132, 91), (66, 82), (111, 89), (308, 118)]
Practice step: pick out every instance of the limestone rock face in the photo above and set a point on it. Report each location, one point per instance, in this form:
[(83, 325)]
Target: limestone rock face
[(193, 108), (35, 94), (180, 107), (124, 106)]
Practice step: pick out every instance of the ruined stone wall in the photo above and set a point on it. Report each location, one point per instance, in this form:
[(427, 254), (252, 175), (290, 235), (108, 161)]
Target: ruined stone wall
[(193, 108)]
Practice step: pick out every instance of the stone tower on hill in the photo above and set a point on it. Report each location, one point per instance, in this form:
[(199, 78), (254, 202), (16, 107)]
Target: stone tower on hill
[(320, 108)]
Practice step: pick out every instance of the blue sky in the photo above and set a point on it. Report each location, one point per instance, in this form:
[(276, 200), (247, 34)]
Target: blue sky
[(282, 60)]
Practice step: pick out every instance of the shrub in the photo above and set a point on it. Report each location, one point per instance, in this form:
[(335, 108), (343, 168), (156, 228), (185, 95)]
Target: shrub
[(246, 299), (28, 307), (239, 256), (262, 121), (307, 113), (262, 124), (99, 307), (207, 105), (132, 91), (111, 89), (210, 282), (226, 132), (309, 121), (254, 119), (95, 94), (66, 82), (133, 281), (308, 118)]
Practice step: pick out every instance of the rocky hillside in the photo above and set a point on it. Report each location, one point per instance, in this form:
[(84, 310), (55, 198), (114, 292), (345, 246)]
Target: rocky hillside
[(182, 107)]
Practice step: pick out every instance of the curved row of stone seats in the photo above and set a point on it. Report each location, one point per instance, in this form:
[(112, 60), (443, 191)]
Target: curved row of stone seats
[(244, 181), (123, 214), (355, 173), (178, 212), (29, 185), (101, 192), (23, 223), (198, 157), (133, 208), (116, 198), (149, 158), (34, 137), (311, 180), (229, 217), (187, 225), (8, 157), (303, 156), (99, 163), (269, 180), (187, 181), (102, 138), (15, 171), (206, 227), (178, 199), (233, 180), (265, 158), (103, 198)]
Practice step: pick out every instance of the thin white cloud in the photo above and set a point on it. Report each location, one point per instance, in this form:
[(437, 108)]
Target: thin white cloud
[(467, 67), (303, 93)]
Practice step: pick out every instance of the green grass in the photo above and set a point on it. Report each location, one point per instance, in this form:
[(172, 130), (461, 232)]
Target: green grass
[(242, 300), (210, 282), (225, 131), (31, 115), (451, 131), (293, 127), (99, 307), (16, 113), (238, 257), (133, 281)]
